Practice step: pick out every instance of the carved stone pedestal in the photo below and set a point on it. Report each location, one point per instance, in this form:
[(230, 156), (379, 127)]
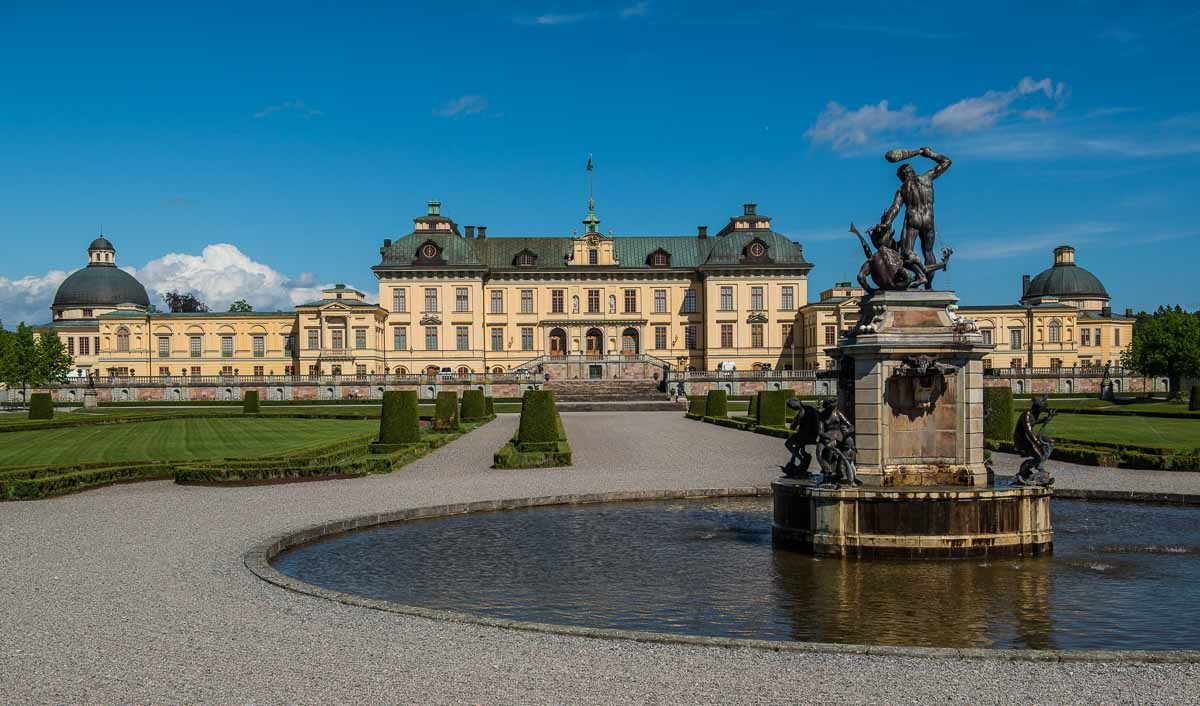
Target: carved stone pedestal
[(914, 370), (89, 399)]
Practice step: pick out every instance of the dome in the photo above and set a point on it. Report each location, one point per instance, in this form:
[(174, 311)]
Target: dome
[(101, 243), (1065, 280), (99, 286)]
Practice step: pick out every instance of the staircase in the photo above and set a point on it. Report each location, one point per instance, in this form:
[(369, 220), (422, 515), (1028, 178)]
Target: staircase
[(631, 390)]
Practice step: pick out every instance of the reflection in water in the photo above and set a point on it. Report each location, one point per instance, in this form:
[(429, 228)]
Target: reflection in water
[(708, 568)]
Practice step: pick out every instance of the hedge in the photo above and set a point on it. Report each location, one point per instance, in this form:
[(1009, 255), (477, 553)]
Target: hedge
[(539, 418), (400, 419), (716, 404), (998, 420), (696, 406), (474, 405), (1194, 400), (772, 407), (489, 406), (754, 406), (41, 406), (63, 483), (250, 402), (540, 440), (1110, 456), (445, 414)]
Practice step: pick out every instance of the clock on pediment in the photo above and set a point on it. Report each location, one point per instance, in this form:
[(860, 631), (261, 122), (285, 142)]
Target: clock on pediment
[(756, 250), (429, 253)]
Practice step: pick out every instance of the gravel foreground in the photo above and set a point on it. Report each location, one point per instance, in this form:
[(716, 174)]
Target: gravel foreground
[(138, 594)]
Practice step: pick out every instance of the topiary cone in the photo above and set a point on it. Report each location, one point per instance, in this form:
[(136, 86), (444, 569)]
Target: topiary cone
[(250, 402), (41, 406), (400, 420), (445, 414), (538, 418)]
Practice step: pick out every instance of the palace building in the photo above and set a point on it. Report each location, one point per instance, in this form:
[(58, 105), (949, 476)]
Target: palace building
[(454, 301)]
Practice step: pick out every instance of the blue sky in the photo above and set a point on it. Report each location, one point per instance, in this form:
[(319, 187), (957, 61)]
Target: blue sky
[(302, 135)]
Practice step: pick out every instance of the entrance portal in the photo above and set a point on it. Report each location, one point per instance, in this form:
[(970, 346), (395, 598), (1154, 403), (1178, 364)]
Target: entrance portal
[(558, 343), (629, 342), (595, 343)]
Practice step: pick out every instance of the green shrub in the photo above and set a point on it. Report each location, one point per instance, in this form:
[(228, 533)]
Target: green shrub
[(489, 406), (539, 418), (250, 402), (716, 404), (755, 405), (445, 414), (1194, 401), (998, 420), (772, 407), (399, 422), (41, 406), (474, 405), (696, 406)]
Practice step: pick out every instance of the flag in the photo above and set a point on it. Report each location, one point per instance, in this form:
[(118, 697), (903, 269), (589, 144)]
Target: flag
[(589, 166)]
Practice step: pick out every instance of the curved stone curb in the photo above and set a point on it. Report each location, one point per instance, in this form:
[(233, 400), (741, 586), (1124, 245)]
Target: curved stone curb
[(1127, 496), (258, 561)]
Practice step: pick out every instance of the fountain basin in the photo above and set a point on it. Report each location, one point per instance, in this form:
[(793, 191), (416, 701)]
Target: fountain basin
[(916, 522)]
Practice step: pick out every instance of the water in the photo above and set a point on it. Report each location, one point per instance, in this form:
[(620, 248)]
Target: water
[(1122, 576)]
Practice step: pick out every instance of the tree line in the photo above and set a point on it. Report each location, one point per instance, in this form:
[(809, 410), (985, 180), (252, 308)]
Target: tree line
[(28, 361)]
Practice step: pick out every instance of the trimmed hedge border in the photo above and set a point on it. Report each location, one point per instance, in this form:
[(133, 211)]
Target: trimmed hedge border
[(1112, 456), (998, 418), (41, 406)]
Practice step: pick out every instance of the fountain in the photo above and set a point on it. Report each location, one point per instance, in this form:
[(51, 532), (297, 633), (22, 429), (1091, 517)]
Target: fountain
[(901, 453)]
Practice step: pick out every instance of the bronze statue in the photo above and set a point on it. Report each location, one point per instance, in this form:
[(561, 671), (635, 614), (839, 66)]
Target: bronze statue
[(1031, 442), (836, 449), (805, 426), (916, 195)]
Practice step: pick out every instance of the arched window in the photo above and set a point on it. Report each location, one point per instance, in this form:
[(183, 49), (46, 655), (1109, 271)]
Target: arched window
[(122, 340), (464, 370), (497, 370), (1055, 332), (432, 370), (402, 370)]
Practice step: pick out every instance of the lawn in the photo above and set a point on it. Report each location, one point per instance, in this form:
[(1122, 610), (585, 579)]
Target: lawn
[(174, 440), (1138, 431)]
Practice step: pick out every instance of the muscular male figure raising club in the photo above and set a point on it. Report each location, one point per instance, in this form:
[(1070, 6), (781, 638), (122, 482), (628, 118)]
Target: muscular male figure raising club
[(916, 195)]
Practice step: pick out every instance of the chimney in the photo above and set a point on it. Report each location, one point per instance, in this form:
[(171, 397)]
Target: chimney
[(470, 231), (1106, 311), (748, 209), (387, 242), (1024, 285), (702, 232), (482, 232), (1129, 312)]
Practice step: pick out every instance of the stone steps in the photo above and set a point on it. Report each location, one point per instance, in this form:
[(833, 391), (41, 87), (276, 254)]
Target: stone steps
[(605, 390)]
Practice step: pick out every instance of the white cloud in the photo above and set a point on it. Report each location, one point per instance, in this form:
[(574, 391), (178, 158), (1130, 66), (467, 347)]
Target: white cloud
[(636, 10), (552, 19), (1008, 244), (292, 105), (846, 129), (28, 299), (222, 274), (463, 105)]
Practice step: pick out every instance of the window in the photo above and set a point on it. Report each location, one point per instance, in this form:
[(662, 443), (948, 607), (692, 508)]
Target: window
[(462, 338), (226, 346), (660, 301), (593, 296), (71, 344), (660, 337), (689, 337), (756, 335), (689, 301), (314, 339), (258, 346), (526, 339), (462, 299), (1117, 337), (1056, 362), (338, 339), (830, 335), (787, 298), (258, 371), (1016, 363), (87, 313), (593, 256), (658, 259), (785, 334), (1055, 330), (289, 344), (1085, 337), (400, 300), (1098, 343), (431, 299), (525, 260), (756, 298), (194, 347), (400, 338), (497, 301), (360, 370), (431, 335), (195, 370), (360, 339), (556, 301), (95, 345), (1014, 338), (164, 346), (630, 301), (497, 340), (526, 301), (726, 298), (164, 372), (727, 335), (122, 340), (987, 335), (227, 370)]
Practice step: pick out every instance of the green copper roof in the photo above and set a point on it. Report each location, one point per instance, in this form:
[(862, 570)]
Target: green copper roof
[(1065, 280), (100, 284)]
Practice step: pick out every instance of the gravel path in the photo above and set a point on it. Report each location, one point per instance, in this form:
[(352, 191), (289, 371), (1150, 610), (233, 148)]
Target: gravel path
[(137, 593)]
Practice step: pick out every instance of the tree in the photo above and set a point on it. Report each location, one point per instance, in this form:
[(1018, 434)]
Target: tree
[(53, 361), (32, 361), (1167, 343), (241, 306), (184, 303)]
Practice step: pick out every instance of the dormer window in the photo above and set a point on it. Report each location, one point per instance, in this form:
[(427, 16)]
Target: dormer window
[(593, 256), (525, 258), (659, 258), (756, 251), (429, 253)]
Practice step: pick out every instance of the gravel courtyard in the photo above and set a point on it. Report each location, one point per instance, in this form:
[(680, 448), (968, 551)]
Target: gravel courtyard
[(138, 594)]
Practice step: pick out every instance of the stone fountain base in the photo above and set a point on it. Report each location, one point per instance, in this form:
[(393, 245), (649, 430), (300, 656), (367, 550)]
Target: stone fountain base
[(912, 522)]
